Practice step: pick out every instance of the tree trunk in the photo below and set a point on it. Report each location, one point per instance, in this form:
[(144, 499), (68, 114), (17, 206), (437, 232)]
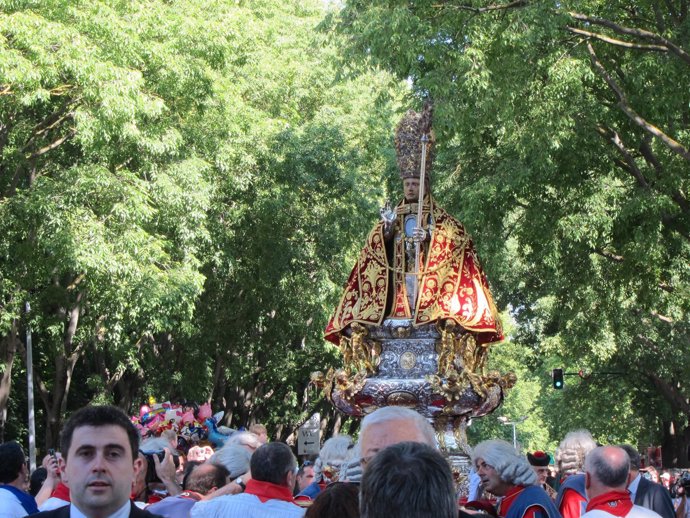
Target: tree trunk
[(676, 438), (675, 448), (8, 351), (217, 396), (55, 399), (126, 389)]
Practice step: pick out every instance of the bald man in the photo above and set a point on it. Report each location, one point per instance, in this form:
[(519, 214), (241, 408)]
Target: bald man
[(606, 480)]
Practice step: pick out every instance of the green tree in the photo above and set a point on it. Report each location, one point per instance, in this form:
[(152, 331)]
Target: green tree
[(298, 186), (523, 403), (564, 135), (102, 209), (180, 189)]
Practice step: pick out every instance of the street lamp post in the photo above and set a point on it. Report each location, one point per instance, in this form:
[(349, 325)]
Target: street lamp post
[(506, 421), (30, 391)]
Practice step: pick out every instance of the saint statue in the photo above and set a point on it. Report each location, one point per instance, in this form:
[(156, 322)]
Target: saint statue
[(424, 269)]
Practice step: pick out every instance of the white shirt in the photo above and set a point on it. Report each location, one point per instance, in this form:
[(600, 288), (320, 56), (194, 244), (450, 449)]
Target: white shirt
[(122, 512), (10, 506), (637, 511), (52, 503), (475, 482), (245, 506)]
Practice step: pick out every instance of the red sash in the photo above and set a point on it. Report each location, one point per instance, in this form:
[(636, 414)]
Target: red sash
[(267, 491), (617, 503)]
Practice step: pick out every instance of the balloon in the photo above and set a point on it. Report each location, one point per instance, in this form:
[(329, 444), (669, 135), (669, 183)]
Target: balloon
[(174, 415), (204, 412), (151, 414), (155, 422), (187, 417)]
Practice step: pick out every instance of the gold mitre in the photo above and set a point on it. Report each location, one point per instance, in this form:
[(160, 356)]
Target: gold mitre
[(408, 142)]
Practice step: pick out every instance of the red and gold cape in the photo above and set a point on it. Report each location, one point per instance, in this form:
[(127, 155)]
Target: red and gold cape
[(452, 283)]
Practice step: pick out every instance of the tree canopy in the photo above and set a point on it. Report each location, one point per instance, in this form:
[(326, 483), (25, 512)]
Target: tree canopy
[(180, 182), (184, 186), (565, 137)]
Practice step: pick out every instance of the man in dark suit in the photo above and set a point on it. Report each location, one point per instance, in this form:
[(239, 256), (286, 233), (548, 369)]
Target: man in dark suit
[(644, 492), (100, 460)]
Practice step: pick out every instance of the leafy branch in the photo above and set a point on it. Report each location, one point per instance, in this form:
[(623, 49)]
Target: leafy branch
[(618, 43), (639, 33), (628, 163), (624, 105), (485, 9)]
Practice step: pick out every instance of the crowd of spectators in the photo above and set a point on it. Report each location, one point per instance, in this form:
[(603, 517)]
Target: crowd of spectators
[(103, 470)]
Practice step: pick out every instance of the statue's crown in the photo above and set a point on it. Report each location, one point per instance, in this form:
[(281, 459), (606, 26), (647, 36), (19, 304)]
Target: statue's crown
[(408, 142)]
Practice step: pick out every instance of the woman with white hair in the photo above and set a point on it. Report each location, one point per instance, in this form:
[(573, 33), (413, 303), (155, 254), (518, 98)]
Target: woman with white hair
[(570, 459), (506, 474)]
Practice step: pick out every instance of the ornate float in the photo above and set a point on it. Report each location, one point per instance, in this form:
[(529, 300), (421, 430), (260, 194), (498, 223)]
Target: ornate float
[(416, 319)]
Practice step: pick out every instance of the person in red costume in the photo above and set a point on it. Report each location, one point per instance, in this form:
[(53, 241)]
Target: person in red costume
[(449, 285), (570, 458), (509, 476), (606, 480)]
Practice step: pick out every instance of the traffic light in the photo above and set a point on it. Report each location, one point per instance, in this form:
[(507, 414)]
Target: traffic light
[(557, 375)]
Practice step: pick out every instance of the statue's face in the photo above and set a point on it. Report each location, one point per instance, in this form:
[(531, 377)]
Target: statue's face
[(411, 189)]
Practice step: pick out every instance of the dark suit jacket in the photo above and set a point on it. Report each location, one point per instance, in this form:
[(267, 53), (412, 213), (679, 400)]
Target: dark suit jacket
[(63, 512), (655, 497)]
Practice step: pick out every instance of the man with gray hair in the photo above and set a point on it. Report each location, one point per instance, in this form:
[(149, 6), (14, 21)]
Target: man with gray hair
[(570, 459), (408, 480), (234, 458), (645, 493), (200, 480), (391, 425), (606, 479), (506, 474), (247, 440), (268, 493)]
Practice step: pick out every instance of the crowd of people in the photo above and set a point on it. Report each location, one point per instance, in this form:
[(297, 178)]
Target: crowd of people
[(104, 470)]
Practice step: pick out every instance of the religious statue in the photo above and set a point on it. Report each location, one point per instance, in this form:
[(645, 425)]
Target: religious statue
[(416, 319), (416, 266)]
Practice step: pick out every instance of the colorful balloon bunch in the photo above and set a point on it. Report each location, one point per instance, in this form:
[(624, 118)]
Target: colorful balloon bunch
[(186, 420)]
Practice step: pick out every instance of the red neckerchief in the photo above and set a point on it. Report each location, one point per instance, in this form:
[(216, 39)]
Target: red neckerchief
[(61, 491), (267, 491), (617, 503), (153, 499)]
